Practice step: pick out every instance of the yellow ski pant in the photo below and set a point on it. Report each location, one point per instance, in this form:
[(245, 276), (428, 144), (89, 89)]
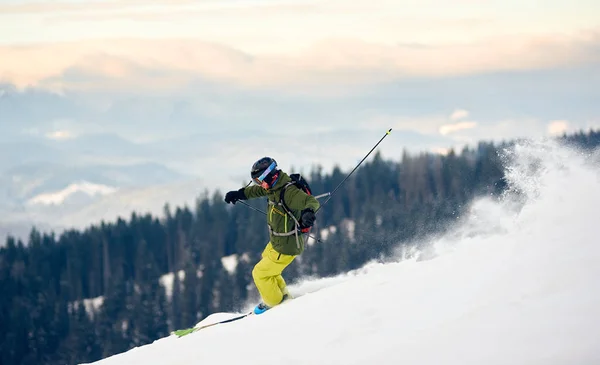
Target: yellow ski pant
[(267, 275)]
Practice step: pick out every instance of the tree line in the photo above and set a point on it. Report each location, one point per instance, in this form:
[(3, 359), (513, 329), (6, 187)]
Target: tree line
[(88, 294)]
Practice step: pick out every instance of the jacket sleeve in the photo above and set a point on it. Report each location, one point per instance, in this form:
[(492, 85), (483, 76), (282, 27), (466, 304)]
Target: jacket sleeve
[(297, 199), (254, 191)]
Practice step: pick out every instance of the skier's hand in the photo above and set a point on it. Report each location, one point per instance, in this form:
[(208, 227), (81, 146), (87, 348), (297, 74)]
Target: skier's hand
[(307, 218), (235, 195)]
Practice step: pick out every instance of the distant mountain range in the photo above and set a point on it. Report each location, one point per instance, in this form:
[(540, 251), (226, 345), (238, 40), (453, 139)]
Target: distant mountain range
[(87, 209), (72, 160), (29, 183), (54, 195)]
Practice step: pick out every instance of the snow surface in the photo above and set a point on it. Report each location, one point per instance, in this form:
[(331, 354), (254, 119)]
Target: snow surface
[(512, 283), (167, 281), (230, 263), (325, 232), (92, 305)]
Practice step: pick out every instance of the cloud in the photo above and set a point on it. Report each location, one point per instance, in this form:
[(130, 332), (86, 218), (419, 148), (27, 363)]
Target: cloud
[(558, 127), (425, 124), (441, 150), (49, 7), (451, 128), (60, 135), (338, 64), (300, 23), (502, 129), (182, 11), (459, 114)]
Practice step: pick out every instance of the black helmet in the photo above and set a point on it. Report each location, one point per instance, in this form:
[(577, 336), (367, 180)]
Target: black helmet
[(265, 170)]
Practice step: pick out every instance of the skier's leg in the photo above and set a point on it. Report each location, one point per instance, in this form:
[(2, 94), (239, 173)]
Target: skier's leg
[(283, 287), (280, 282), (267, 275)]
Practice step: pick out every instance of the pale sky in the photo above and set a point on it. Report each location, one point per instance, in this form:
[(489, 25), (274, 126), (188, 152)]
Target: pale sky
[(266, 43), (268, 26), (449, 71)]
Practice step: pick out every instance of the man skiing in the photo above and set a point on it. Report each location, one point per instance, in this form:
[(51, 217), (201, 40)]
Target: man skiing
[(285, 219)]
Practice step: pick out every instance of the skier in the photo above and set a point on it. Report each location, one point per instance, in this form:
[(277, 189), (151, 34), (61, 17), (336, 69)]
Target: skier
[(284, 220)]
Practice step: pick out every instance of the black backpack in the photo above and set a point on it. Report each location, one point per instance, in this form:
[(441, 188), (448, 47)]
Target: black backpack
[(300, 183)]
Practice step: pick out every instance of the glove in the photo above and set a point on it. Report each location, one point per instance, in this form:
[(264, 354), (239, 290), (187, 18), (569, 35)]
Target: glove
[(307, 218), (235, 195)]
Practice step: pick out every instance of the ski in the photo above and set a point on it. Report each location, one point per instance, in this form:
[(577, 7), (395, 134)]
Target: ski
[(187, 331), (183, 332)]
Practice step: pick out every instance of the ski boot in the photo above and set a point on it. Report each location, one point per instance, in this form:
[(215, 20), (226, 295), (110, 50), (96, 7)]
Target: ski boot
[(261, 308)]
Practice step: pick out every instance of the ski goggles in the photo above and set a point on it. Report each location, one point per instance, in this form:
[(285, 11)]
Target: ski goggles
[(260, 179)]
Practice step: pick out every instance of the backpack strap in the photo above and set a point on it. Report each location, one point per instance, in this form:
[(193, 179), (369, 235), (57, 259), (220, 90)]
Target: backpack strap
[(288, 212), (285, 206), (282, 195)]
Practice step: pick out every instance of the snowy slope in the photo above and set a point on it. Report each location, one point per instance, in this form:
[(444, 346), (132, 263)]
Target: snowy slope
[(512, 284)]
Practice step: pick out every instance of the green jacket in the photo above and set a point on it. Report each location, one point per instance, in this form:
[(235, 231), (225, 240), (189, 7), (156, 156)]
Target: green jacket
[(277, 219)]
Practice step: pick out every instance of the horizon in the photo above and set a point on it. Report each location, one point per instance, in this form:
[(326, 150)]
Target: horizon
[(202, 89), (122, 65)]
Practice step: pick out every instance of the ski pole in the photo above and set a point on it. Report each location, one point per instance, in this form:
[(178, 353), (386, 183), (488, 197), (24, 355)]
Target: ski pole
[(334, 190), (251, 207), (265, 213), (322, 195), (361, 161)]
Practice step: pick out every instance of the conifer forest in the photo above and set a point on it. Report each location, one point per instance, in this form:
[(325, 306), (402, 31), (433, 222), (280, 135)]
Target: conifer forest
[(87, 294)]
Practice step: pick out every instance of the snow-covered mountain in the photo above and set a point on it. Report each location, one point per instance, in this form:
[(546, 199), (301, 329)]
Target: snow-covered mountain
[(54, 196), (83, 189), (515, 282), (122, 203), (28, 181), (61, 180)]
